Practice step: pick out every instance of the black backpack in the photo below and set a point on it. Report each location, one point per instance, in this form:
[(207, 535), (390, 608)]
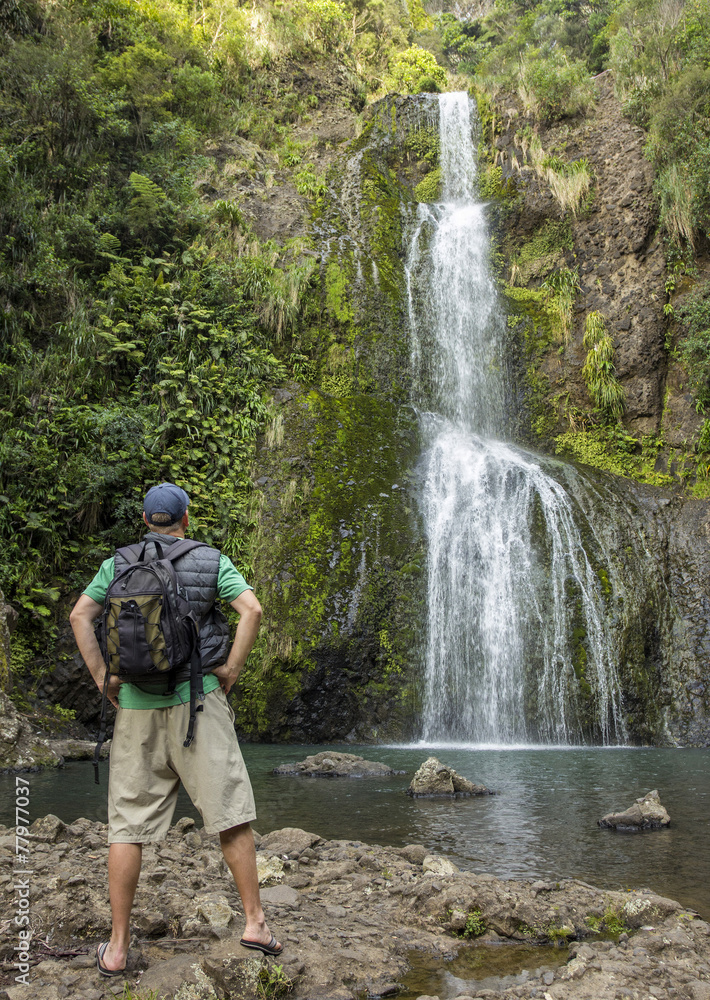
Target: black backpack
[(148, 630)]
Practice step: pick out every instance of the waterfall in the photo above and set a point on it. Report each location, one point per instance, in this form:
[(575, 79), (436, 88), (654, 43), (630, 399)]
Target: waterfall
[(517, 649)]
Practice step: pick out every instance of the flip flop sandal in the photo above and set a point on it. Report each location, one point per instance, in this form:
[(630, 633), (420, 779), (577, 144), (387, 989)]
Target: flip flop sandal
[(272, 948), (109, 973)]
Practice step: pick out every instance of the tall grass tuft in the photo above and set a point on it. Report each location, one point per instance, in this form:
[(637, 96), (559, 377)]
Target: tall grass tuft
[(676, 195), (598, 371), (569, 182), (562, 286)]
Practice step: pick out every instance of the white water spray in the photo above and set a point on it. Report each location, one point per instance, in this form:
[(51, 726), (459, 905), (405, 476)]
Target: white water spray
[(516, 644)]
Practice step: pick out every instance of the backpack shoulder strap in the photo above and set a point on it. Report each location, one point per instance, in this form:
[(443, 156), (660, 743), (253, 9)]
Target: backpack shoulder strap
[(181, 548), (131, 553)]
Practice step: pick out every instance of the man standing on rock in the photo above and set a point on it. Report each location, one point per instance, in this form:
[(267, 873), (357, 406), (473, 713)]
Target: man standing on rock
[(148, 756)]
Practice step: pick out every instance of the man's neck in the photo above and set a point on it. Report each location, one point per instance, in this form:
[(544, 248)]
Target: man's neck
[(177, 533)]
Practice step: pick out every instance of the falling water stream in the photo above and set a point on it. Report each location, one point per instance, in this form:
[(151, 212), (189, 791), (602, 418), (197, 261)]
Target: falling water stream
[(517, 649)]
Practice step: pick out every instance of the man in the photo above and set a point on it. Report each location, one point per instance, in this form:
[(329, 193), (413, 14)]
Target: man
[(148, 758)]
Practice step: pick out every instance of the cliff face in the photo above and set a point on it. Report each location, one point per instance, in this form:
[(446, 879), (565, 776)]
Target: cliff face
[(614, 244)]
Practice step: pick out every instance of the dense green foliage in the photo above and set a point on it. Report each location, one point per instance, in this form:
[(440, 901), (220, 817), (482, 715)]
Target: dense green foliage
[(143, 325), (658, 51)]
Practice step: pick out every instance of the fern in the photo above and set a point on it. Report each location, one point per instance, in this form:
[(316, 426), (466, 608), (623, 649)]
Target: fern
[(598, 371), (147, 202)]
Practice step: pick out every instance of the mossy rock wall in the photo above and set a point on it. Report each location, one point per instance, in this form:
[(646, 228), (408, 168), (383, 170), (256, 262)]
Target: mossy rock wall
[(339, 555)]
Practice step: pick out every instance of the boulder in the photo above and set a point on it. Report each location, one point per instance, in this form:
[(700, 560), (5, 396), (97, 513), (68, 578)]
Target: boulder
[(47, 829), (646, 813), (214, 908), (237, 975), (281, 895), (437, 865), (434, 779), (336, 765), (290, 841), (414, 853)]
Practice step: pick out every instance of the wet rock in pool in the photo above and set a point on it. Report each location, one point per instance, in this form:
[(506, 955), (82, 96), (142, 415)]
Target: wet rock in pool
[(434, 779), (336, 765), (647, 813)]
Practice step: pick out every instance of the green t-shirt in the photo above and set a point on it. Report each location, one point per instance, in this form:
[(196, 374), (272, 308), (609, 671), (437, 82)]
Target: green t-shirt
[(230, 584)]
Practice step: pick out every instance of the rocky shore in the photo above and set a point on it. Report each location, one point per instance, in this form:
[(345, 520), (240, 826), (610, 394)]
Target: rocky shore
[(350, 914)]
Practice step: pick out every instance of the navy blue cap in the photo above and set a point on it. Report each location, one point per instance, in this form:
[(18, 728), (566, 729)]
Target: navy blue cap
[(166, 498)]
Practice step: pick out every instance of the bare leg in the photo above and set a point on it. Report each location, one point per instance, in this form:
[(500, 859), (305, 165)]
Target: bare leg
[(124, 868), (238, 850)]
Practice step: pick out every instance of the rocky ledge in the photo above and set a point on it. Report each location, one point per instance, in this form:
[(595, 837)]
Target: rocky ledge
[(24, 747), (336, 765), (349, 914)]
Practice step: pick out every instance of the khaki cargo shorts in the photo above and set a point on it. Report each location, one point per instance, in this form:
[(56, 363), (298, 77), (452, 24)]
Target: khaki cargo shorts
[(148, 762)]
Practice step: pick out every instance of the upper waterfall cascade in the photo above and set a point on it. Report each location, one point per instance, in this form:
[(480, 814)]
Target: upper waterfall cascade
[(517, 650)]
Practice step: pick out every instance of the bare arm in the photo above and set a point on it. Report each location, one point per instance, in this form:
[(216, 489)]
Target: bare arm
[(82, 622), (249, 611)]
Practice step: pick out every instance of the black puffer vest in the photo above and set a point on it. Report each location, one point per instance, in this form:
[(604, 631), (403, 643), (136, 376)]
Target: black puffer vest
[(197, 571)]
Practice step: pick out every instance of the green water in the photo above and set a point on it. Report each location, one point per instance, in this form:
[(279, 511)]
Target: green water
[(543, 824)]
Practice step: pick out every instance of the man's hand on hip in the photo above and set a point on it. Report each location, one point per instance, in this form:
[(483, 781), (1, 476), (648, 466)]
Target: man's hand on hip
[(227, 677)]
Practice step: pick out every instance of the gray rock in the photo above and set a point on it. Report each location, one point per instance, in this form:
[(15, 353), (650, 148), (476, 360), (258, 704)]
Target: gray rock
[(282, 895), (437, 865), (336, 765), (647, 813), (166, 977), (47, 828), (434, 779), (184, 825), (290, 840), (414, 853), (236, 972), (215, 909)]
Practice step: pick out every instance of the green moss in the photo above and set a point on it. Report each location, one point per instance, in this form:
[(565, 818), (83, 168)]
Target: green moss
[(423, 143), (539, 255), (352, 558), (598, 448), (337, 293), (429, 189), (700, 489), (381, 215), (492, 187), (552, 237), (475, 924), (614, 921), (558, 934), (530, 326), (604, 581)]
